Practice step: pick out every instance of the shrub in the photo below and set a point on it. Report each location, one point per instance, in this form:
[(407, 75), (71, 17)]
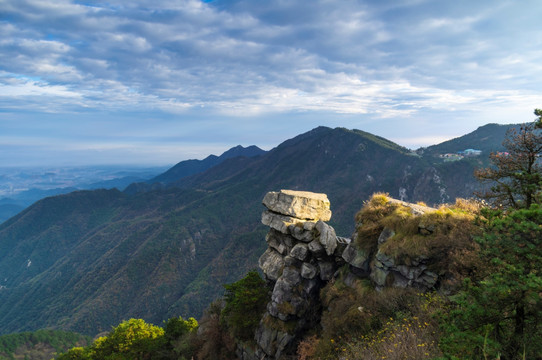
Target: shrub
[(443, 236), (307, 348), (369, 221), (406, 338), (213, 340), (358, 314), (179, 337), (245, 303), (131, 339), (500, 311)]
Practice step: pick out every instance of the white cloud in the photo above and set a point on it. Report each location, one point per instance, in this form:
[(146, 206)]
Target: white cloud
[(406, 60)]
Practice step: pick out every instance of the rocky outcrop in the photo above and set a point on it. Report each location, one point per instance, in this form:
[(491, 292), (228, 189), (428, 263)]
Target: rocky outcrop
[(299, 204), (304, 253)]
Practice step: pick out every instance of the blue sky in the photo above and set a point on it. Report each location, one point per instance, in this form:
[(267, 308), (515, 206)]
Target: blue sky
[(156, 82)]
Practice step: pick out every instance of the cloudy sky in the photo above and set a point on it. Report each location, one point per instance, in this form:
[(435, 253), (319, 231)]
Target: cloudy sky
[(159, 81)]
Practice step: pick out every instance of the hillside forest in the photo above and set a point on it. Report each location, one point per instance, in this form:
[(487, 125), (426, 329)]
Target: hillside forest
[(487, 252)]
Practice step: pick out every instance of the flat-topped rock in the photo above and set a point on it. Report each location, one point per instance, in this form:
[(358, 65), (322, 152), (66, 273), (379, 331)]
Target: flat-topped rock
[(414, 208), (299, 204)]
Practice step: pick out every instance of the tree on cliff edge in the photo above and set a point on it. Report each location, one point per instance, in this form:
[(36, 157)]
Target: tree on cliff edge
[(516, 175), (499, 311)]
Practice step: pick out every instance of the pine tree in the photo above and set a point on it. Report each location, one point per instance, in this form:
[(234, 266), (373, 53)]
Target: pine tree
[(516, 175)]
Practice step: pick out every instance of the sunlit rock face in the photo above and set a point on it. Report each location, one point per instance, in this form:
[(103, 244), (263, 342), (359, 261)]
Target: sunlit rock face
[(302, 205), (304, 254)]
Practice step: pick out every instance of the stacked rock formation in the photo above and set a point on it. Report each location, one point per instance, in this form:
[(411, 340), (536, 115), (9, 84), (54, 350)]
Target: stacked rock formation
[(304, 253)]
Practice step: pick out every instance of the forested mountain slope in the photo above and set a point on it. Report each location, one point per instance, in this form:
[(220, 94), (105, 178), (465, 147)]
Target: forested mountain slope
[(87, 260)]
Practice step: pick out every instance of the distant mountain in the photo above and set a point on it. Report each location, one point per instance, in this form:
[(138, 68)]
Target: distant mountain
[(118, 183), (487, 138), (89, 259), (23, 187), (9, 209), (191, 167), (18, 202)]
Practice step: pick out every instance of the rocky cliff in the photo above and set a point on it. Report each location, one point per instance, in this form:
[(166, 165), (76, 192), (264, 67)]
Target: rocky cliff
[(304, 254)]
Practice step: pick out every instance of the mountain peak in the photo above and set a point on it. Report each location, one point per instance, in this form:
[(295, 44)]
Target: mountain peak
[(190, 167), (239, 150)]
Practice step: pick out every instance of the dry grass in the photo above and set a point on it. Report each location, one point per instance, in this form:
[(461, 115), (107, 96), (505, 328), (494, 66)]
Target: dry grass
[(404, 339), (411, 336), (443, 236), (354, 314), (307, 348), (369, 221), (362, 323)]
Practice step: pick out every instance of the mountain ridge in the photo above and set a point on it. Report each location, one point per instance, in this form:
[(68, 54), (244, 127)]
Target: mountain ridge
[(166, 251), (192, 166)]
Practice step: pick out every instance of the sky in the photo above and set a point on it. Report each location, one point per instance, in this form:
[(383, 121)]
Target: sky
[(146, 82)]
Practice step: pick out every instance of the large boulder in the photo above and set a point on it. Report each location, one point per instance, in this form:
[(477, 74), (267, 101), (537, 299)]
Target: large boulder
[(299, 204), (271, 263), (327, 237)]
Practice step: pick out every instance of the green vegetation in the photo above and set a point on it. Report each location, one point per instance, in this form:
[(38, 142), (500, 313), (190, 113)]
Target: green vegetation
[(362, 323), (245, 303), (135, 339), (443, 237), (41, 344), (213, 338), (538, 121), (500, 310), (515, 176), (87, 248)]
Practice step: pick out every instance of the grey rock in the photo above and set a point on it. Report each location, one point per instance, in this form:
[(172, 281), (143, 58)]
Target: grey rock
[(300, 252), (379, 276), (299, 233), (273, 309), (309, 225), (356, 257), (428, 279), (291, 261), (265, 337), (299, 204), (400, 281), (410, 272), (279, 222), (327, 237), (281, 292), (326, 270), (426, 229), (271, 263), (272, 341), (350, 279), (291, 276), (308, 271), (310, 285), (415, 209), (275, 242), (386, 260), (283, 340), (385, 235), (299, 305), (342, 243), (316, 248)]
